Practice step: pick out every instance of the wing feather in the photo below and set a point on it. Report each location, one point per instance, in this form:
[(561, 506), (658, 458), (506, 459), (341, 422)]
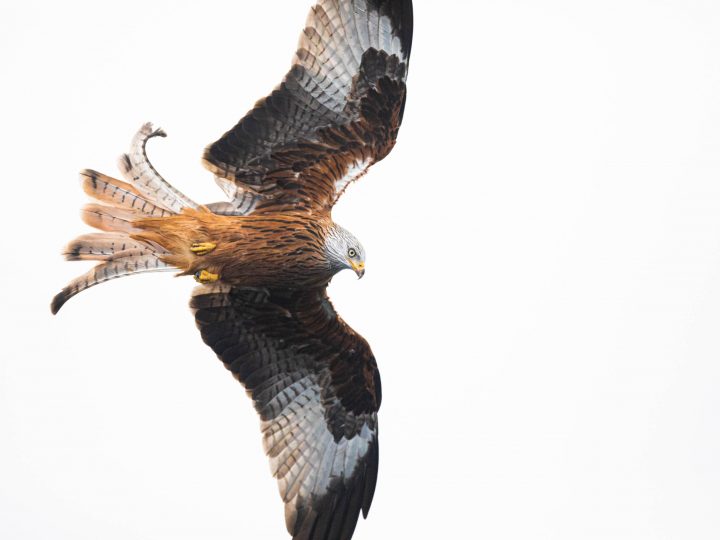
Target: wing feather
[(334, 105), (315, 385)]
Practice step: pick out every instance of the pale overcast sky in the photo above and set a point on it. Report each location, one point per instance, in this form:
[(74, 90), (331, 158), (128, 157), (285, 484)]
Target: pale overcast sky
[(542, 290)]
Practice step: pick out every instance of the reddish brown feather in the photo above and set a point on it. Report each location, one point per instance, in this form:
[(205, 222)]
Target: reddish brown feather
[(267, 250)]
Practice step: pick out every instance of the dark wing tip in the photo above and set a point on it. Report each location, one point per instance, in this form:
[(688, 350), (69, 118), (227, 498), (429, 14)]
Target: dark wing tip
[(371, 474), (401, 15), (334, 514)]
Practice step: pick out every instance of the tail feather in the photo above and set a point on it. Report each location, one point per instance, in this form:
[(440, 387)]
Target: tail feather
[(120, 205), (133, 263), (101, 247), (119, 194), (138, 171), (108, 218)]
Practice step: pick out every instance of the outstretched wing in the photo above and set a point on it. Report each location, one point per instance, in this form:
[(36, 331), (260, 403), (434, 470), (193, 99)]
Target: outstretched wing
[(315, 385), (337, 111)]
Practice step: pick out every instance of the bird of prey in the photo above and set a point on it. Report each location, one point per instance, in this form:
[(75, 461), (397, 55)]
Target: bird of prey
[(264, 258)]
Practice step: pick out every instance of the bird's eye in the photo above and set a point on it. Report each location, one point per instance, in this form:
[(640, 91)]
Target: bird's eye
[(352, 253)]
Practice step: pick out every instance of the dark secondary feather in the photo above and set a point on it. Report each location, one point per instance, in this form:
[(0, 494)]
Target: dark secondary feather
[(337, 111), (316, 387)]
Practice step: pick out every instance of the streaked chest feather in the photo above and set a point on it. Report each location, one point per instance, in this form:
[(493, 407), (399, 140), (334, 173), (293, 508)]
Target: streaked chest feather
[(282, 250)]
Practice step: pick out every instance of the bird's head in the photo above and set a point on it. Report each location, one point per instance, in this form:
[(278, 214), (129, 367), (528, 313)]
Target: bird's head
[(344, 251)]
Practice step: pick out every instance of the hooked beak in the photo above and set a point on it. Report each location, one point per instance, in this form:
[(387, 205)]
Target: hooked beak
[(359, 268)]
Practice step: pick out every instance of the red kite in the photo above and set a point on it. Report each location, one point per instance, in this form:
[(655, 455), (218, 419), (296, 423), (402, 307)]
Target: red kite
[(264, 259)]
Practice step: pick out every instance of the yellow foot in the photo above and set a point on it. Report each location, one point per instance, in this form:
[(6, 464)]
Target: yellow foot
[(203, 276), (202, 248)]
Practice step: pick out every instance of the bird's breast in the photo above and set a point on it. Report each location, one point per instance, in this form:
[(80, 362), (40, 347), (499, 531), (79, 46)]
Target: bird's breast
[(272, 251)]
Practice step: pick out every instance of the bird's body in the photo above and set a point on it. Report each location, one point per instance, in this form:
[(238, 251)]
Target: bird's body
[(273, 250), (264, 258)]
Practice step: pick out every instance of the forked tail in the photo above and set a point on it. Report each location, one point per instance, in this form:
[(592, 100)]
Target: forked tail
[(144, 194)]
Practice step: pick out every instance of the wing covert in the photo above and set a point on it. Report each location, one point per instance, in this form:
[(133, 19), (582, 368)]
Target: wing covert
[(316, 388), (336, 112)]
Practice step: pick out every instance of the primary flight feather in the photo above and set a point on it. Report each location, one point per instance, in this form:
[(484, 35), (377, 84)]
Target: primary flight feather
[(265, 257)]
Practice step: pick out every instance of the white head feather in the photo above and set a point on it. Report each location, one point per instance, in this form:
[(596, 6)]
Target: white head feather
[(343, 250)]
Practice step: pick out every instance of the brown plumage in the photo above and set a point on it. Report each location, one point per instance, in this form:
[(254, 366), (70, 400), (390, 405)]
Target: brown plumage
[(258, 250), (266, 255)]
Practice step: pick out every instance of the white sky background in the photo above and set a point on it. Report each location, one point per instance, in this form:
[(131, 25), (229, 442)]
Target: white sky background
[(542, 293)]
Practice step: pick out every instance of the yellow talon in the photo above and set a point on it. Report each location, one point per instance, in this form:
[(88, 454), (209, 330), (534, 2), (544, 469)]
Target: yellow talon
[(202, 248), (203, 276)]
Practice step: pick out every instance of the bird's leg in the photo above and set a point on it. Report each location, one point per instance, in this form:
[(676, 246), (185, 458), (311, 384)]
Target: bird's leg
[(202, 248), (203, 276)]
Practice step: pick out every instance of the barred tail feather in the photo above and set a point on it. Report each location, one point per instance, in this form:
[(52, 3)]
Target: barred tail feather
[(108, 218), (119, 194), (133, 263), (101, 247), (120, 206), (139, 172)]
